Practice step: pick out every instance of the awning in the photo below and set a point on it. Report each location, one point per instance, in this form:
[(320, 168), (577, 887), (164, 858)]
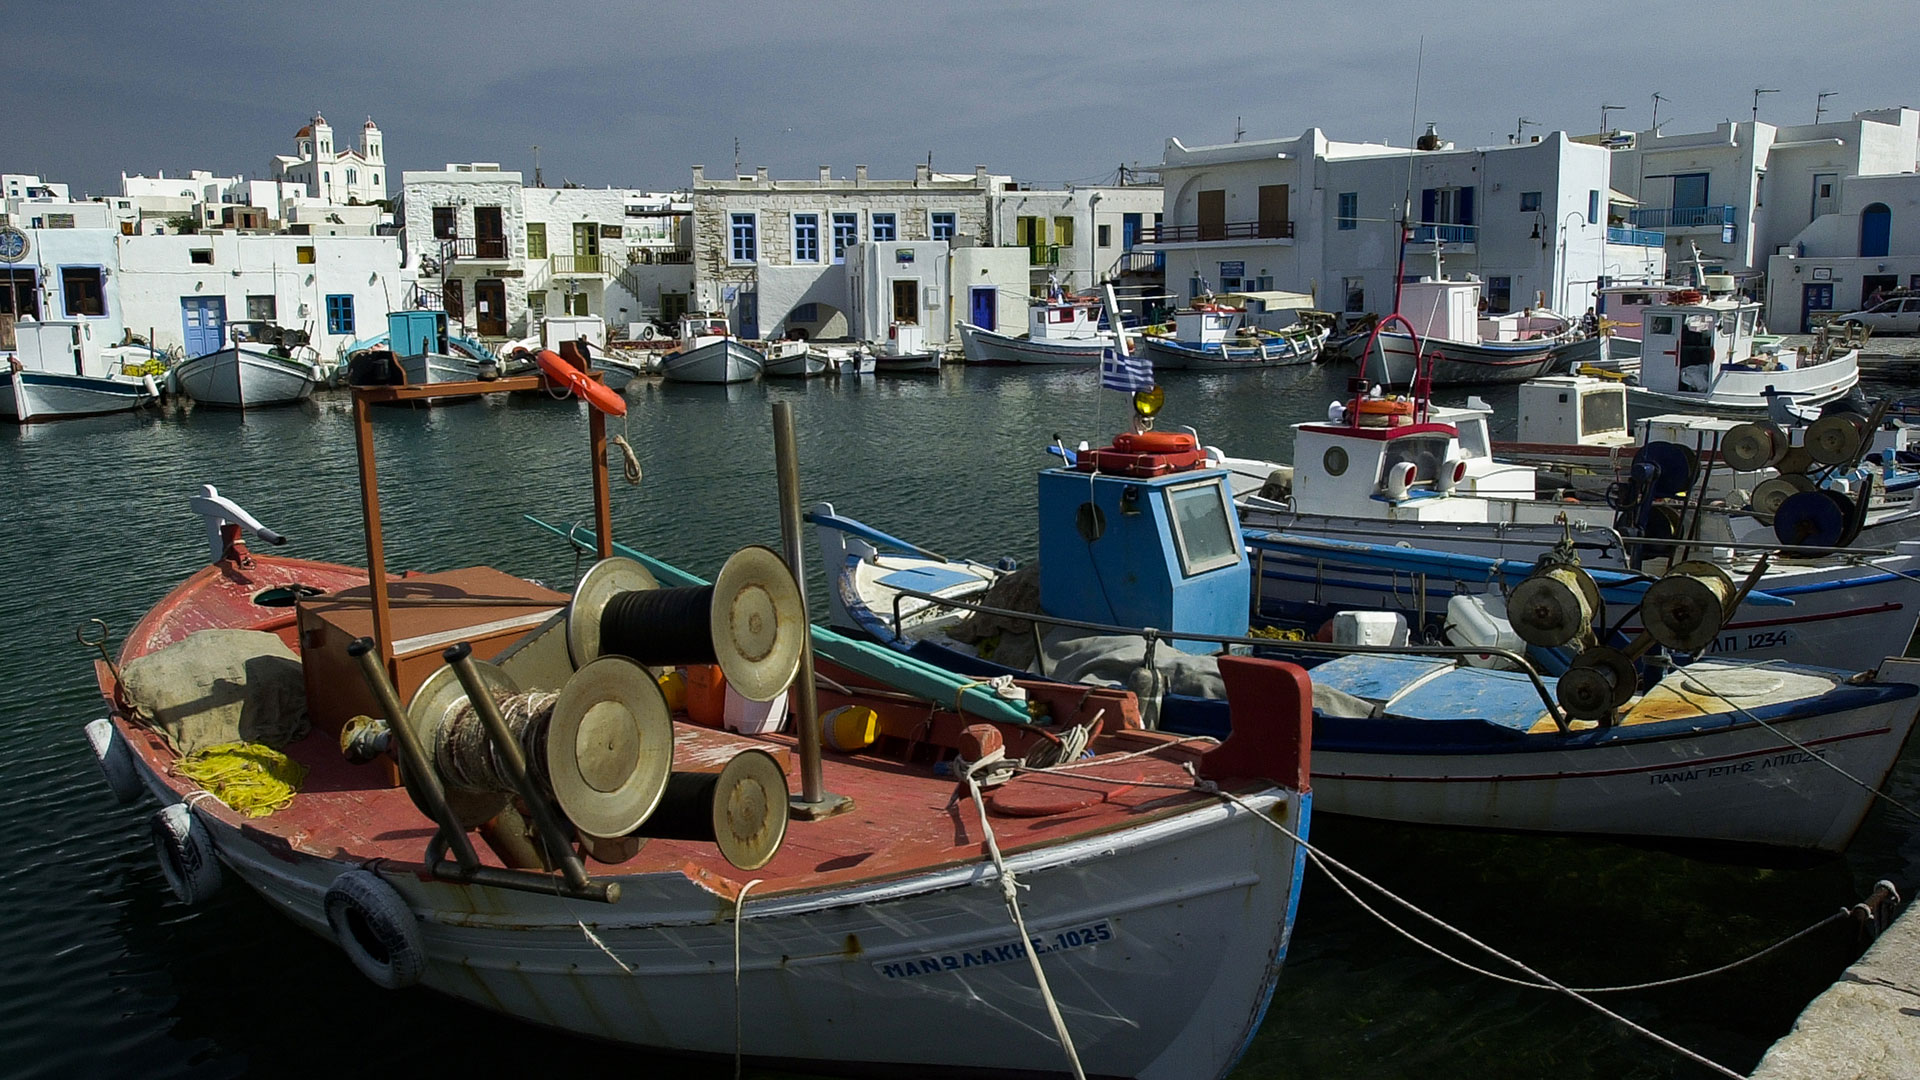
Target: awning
[(1621, 198)]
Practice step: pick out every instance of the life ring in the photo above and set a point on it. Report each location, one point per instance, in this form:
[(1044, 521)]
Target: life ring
[(595, 392), (1154, 442), (185, 852), (1392, 406), (1686, 296), (116, 759), (376, 929)]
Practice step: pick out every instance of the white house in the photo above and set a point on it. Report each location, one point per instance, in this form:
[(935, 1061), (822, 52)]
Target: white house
[(1077, 236), (1869, 243), (332, 173), (63, 274)]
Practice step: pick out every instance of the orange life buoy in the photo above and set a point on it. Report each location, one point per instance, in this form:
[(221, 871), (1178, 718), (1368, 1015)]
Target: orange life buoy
[(1386, 406), (595, 392), (1155, 442)]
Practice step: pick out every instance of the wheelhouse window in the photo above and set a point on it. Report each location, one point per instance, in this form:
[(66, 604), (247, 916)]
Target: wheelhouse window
[(744, 245), (1202, 527), (943, 224), (846, 233), (1603, 411), (885, 228), (806, 238), (340, 313), (1425, 451), (84, 288)]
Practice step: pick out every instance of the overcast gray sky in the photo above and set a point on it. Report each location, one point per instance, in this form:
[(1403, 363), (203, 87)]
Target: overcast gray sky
[(633, 94)]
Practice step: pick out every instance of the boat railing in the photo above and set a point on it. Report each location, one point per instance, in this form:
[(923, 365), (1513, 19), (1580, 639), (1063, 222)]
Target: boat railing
[(1153, 636)]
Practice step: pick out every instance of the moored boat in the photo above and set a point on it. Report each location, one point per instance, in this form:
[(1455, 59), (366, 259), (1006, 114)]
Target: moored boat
[(56, 373), (709, 353), (1698, 355), (1060, 330), (1215, 335), (262, 365), (787, 359)]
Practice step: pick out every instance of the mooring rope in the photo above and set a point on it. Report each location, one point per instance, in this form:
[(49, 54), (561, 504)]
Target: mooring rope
[(739, 905)]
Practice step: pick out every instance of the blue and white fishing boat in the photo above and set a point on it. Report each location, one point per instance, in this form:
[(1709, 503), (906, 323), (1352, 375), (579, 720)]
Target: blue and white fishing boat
[(709, 353), (57, 372), (262, 365), (1216, 335), (1061, 330)]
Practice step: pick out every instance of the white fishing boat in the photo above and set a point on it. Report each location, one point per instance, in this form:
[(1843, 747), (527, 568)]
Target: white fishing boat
[(1060, 330), (1218, 334), (1460, 346), (1698, 355), (1150, 917), (905, 351), (709, 353), (57, 372), (262, 365), (790, 359)]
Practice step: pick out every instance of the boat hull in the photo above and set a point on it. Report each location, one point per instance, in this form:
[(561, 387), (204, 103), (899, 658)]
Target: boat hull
[(803, 365), (28, 397), (1742, 394), (991, 348), (721, 361), (922, 363), (1170, 355), (243, 376), (1458, 363)]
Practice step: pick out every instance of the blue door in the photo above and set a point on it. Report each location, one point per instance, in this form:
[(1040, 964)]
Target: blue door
[(1129, 231), (749, 320), (981, 309), (203, 321), (1814, 298), (1876, 231)]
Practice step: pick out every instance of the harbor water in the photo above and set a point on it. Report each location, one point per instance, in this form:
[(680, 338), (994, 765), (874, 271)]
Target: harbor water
[(105, 974)]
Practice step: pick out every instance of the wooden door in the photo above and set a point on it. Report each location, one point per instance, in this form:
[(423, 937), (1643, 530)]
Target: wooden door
[(1274, 218), (489, 234), (1213, 215), (906, 301), (490, 307), (453, 300)]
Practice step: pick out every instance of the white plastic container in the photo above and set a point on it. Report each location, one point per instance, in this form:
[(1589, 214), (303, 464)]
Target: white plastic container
[(753, 717), (1369, 628), (1482, 621)]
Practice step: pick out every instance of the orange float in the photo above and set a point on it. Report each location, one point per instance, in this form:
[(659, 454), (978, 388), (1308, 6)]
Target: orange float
[(1154, 442), (580, 383)]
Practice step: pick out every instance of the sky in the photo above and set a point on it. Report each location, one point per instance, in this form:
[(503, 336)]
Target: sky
[(635, 94)]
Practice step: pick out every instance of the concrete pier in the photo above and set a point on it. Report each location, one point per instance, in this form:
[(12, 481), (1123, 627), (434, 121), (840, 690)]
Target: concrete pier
[(1866, 1026)]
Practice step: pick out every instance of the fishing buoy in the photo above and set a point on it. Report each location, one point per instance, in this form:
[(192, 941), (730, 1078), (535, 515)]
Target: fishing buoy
[(1553, 606), (1815, 519), (580, 383), (115, 758), (1684, 609), (742, 809), (1835, 439), (185, 852), (1752, 446), (750, 621), (849, 728), (609, 747), (376, 929), (1673, 465)]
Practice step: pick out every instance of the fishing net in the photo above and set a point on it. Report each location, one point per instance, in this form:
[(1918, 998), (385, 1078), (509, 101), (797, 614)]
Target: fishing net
[(219, 686), (252, 779)]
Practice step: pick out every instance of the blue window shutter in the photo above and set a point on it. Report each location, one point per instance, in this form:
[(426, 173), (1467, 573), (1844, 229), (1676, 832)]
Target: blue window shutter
[(1427, 199), (1593, 207), (1466, 206)]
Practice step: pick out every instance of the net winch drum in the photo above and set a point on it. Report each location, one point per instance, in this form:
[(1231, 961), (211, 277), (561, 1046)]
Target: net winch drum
[(1553, 606), (1752, 446), (1769, 495), (1598, 681), (1674, 466), (609, 747), (432, 712), (750, 621), (1685, 609), (1814, 519), (742, 809), (1836, 438), (1797, 460)]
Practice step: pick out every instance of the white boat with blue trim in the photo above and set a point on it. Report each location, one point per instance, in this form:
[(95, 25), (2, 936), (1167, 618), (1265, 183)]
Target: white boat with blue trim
[(1062, 330), (262, 365), (57, 372), (709, 353)]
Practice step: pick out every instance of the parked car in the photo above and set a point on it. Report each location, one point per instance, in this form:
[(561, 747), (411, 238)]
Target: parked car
[(1894, 315)]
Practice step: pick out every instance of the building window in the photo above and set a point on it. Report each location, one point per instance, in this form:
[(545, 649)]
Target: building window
[(846, 233), (1062, 232), (1103, 235), (1356, 289), (1447, 206), (1263, 283), (261, 308), (576, 304), (326, 178), (1529, 201), (376, 178), (303, 254), (744, 247), (806, 238), (19, 285), (340, 313), (805, 313), (943, 226), (1499, 295), (353, 177), (443, 223), (883, 229), (536, 239), (1593, 207), (200, 256), (536, 306), (59, 221), (1689, 191), (85, 289), (1230, 275), (1349, 214)]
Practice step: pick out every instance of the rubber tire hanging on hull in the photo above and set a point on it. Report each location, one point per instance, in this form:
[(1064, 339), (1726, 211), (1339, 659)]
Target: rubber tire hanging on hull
[(376, 929), (116, 760), (185, 852)]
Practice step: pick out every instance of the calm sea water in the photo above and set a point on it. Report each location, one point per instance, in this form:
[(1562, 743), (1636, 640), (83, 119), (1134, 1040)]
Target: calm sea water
[(102, 973)]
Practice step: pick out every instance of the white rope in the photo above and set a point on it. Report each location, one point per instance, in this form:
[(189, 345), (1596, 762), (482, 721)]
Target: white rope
[(1009, 889), (739, 903), (595, 938)]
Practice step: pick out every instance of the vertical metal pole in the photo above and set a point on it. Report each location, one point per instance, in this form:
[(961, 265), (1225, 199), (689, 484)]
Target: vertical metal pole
[(602, 498), (376, 548), (787, 462)]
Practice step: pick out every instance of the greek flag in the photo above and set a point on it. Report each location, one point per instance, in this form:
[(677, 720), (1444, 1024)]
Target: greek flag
[(1124, 373)]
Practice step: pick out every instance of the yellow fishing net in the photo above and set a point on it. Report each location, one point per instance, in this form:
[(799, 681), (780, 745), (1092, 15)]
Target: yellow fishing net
[(249, 777)]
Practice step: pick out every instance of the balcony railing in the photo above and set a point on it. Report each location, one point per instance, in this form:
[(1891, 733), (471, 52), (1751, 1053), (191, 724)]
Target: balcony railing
[(471, 247), (581, 265), (1446, 234), (1225, 230), (1683, 217), (1636, 237), (1043, 254)]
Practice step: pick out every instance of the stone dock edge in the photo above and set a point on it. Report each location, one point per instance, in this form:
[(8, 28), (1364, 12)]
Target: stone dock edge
[(1866, 1026)]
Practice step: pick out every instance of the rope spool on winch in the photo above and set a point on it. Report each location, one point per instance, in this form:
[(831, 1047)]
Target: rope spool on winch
[(1673, 464), (1836, 439), (1819, 518), (742, 809), (1553, 606), (1685, 609), (603, 745), (1599, 680), (1753, 446), (750, 621), (1769, 495)]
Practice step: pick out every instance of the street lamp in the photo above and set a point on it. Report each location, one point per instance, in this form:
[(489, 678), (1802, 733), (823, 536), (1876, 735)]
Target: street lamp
[(1566, 236), (1093, 241)]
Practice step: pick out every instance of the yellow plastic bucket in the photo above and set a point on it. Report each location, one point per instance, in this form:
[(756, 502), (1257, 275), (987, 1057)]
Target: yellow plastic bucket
[(850, 728)]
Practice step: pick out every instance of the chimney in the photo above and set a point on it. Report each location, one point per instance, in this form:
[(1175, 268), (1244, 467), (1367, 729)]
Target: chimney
[(922, 173), (859, 174), (826, 173), (699, 173), (980, 173), (760, 174)]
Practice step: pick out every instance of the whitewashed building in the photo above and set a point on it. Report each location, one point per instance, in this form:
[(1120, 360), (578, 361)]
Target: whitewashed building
[(335, 173), (1311, 215), (1077, 236), (63, 274), (1868, 244)]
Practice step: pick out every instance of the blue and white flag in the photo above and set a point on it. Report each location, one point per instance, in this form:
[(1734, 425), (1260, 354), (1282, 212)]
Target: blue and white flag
[(1125, 373)]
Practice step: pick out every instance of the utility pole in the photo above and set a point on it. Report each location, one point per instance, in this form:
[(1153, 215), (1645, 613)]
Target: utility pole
[(1239, 129), (736, 157), (1604, 110), (1757, 91), (1820, 103), (1657, 99)]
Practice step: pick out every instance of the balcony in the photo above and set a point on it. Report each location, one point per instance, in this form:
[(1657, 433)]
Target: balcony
[(1043, 254), (1222, 230), (1683, 217), (1636, 237), (581, 265), (492, 248), (1446, 234)]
